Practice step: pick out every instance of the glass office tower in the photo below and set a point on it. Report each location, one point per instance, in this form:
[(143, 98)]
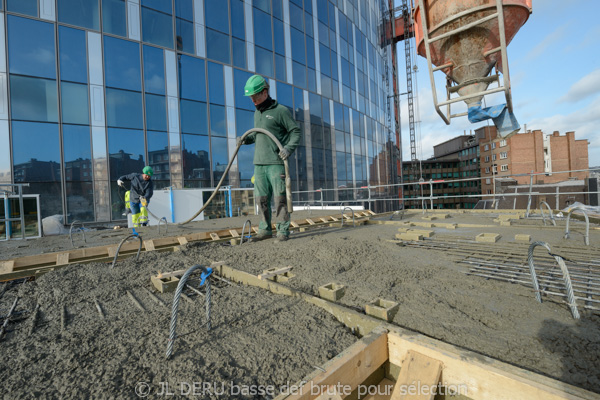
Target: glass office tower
[(94, 89)]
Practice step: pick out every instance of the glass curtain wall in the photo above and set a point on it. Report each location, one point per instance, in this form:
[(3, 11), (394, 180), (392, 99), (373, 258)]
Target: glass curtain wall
[(164, 100)]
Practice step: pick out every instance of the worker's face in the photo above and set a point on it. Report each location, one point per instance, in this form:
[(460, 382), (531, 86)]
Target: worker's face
[(259, 97), (146, 177)]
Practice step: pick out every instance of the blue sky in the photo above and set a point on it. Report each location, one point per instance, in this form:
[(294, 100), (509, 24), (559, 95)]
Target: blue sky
[(554, 63)]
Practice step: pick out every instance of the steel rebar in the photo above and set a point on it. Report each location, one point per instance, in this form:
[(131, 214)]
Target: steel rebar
[(542, 203), (206, 272), (5, 324), (244, 230), (34, 319), (587, 224), (121, 244), (166, 224), (343, 216), (82, 230), (135, 301), (154, 298), (99, 308), (63, 318)]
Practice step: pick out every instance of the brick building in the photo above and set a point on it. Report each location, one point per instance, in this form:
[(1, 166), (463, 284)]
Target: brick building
[(533, 151)]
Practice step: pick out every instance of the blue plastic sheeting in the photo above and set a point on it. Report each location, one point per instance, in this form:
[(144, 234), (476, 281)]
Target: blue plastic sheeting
[(505, 121)]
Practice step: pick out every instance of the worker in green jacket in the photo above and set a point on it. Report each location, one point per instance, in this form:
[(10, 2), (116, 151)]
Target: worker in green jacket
[(269, 172)]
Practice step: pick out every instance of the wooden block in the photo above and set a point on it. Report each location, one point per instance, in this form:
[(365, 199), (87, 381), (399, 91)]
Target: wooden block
[(7, 266), (182, 240), (383, 392), (285, 277), (430, 217), (310, 221), (523, 238), (409, 236), (506, 223), (165, 284), (294, 224), (422, 232), (382, 309), (334, 218), (62, 258), (488, 237), (324, 219), (417, 371), (234, 233), (112, 251), (332, 291), (269, 273), (214, 236), (234, 241), (149, 245), (255, 229)]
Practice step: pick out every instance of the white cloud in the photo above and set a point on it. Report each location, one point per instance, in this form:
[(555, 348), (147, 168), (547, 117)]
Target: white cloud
[(587, 86), (548, 41)]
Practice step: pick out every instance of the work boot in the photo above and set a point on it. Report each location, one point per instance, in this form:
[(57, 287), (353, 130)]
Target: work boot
[(282, 238), (261, 236)]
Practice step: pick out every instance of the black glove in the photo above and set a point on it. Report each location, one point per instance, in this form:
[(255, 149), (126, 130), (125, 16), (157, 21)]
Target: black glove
[(240, 141), (284, 154)]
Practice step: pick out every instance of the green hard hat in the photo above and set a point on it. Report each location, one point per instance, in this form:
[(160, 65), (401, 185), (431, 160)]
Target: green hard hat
[(148, 171), (255, 84)]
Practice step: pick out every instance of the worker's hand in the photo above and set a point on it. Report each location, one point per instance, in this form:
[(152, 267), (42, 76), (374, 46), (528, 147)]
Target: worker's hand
[(284, 154), (144, 201), (120, 183), (240, 141)]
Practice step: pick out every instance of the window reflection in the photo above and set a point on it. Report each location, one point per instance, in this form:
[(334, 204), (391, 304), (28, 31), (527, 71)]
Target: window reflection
[(73, 55), (298, 49), (28, 7), (123, 109), (192, 83), (156, 113), (80, 201), (33, 99), (299, 74), (185, 36), (239, 53), (122, 64), (216, 15), (31, 47), (264, 62), (280, 68), (78, 172), (114, 17), (82, 13), (239, 80), (217, 46), (218, 121), (193, 117), (220, 158), (74, 106), (157, 27), (39, 163), (237, 19), (196, 161), (263, 35), (158, 156), (216, 84), (278, 37), (154, 70)]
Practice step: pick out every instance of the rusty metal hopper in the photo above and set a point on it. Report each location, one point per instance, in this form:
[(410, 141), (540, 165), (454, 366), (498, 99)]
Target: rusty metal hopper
[(465, 39)]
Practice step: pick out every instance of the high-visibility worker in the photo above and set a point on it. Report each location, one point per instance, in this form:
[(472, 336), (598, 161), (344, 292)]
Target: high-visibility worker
[(141, 191), (269, 171)]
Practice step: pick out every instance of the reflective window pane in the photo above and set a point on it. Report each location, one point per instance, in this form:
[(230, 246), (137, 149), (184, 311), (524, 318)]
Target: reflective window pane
[(298, 50), (122, 64), (194, 117), (39, 163), (237, 19), (299, 74), (285, 95), (308, 22), (263, 35), (278, 37), (239, 53), (216, 15), (157, 27), (239, 80), (73, 54), (28, 7), (114, 18), (74, 103), (216, 84), (158, 155), (218, 121), (31, 47), (217, 46), (264, 5), (185, 36), (196, 160), (77, 152), (264, 62), (156, 113), (84, 13), (280, 67), (296, 17), (192, 78), (80, 201), (33, 99), (123, 109), (184, 9), (154, 70), (277, 9), (220, 157), (5, 168), (165, 6)]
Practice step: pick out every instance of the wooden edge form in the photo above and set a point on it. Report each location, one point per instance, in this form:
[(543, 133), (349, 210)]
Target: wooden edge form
[(149, 245), (270, 274), (417, 372), (346, 371), (6, 267), (62, 258), (485, 378)]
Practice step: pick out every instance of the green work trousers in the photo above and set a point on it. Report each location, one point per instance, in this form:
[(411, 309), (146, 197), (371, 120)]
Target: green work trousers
[(269, 181)]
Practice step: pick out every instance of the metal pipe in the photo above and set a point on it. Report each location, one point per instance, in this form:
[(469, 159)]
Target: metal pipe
[(244, 230), (587, 224), (121, 244), (542, 203), (206, 272), (82, 230), (343, 218)]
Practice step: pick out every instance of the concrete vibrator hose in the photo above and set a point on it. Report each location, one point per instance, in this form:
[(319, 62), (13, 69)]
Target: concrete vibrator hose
[(288, 180)]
